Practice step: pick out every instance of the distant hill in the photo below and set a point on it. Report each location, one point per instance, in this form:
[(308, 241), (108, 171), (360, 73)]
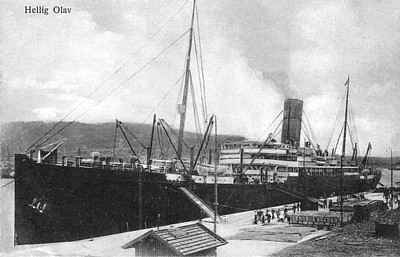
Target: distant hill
[(384, 162), (17, 136)]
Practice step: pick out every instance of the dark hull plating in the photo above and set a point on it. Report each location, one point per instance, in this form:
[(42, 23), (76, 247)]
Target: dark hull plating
[(83, 203)]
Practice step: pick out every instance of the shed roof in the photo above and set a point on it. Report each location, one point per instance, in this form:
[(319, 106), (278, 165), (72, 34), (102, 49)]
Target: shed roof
[(184, 240)]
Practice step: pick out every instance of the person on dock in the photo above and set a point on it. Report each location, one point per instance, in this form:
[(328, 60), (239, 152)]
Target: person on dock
[(268, 217), (273, 214), (255, 217), (260, 213), (287, 218), (294, 208), (285, 214), (281, 215), (386, 195)]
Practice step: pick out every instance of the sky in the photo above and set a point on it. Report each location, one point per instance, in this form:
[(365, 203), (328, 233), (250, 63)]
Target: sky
[(91, 64)]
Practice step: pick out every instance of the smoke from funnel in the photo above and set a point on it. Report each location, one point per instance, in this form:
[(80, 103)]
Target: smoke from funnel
[(281, 82)]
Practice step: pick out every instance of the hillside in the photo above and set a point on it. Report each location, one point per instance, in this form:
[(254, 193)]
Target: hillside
[(17, 136)]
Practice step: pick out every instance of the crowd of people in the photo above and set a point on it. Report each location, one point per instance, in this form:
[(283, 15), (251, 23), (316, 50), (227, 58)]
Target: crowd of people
[(391, 199), (275, 214)]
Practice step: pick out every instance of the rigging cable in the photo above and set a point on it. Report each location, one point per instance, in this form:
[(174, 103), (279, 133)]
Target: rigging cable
[(351, 136), (145, 65), (308, 134), (163, 97), (200, 80), (202, 67), (180, 93), (308, 138), (276, 131), (102, 83), (135, 137), (195, 112), (206, 149), (173, 132), (166, 22), (138, 71), (273, 121), (309, 126), (337, 142), (334, 128), (172, 144), (160, 141), (353, 123)]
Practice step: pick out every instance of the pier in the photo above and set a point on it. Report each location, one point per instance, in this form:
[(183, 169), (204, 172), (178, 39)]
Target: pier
[(244, 238), (6, 214)]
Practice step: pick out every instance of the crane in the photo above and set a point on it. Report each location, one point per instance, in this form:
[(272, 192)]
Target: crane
[(365, 159)]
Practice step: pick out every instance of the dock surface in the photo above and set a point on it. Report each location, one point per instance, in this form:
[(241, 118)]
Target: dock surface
[(244, 238)]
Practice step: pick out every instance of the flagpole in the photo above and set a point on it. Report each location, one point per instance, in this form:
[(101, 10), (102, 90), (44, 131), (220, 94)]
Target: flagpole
[(215, 175)]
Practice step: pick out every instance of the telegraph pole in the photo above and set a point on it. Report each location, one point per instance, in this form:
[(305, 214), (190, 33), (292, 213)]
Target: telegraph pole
[(342, 158), (215, 175)]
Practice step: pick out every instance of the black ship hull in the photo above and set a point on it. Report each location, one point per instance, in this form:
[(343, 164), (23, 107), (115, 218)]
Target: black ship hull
[(58, 203)]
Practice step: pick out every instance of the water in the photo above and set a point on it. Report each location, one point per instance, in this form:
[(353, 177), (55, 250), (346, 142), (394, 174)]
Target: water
[(385, 179)]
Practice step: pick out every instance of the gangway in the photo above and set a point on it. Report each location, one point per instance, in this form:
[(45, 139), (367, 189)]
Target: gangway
[(200, 203)]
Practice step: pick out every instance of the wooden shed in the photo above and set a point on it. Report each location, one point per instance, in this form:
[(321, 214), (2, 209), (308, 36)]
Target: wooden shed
[(189, 240)]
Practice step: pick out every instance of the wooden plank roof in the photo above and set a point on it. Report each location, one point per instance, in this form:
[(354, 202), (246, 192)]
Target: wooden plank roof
[(184, 240)]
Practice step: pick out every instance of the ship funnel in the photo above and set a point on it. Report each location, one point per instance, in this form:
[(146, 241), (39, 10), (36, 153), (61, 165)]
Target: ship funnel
[(291, 125)]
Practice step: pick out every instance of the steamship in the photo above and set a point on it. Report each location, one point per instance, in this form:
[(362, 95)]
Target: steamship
[(306, 169), (58, 198)]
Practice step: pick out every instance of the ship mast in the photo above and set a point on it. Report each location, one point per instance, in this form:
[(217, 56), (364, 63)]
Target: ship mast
[(347, 84), (391, 169), (182, 107), (215, 175)]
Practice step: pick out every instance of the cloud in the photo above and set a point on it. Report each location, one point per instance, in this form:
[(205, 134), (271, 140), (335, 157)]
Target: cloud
[(255, 54), (332, 39)]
